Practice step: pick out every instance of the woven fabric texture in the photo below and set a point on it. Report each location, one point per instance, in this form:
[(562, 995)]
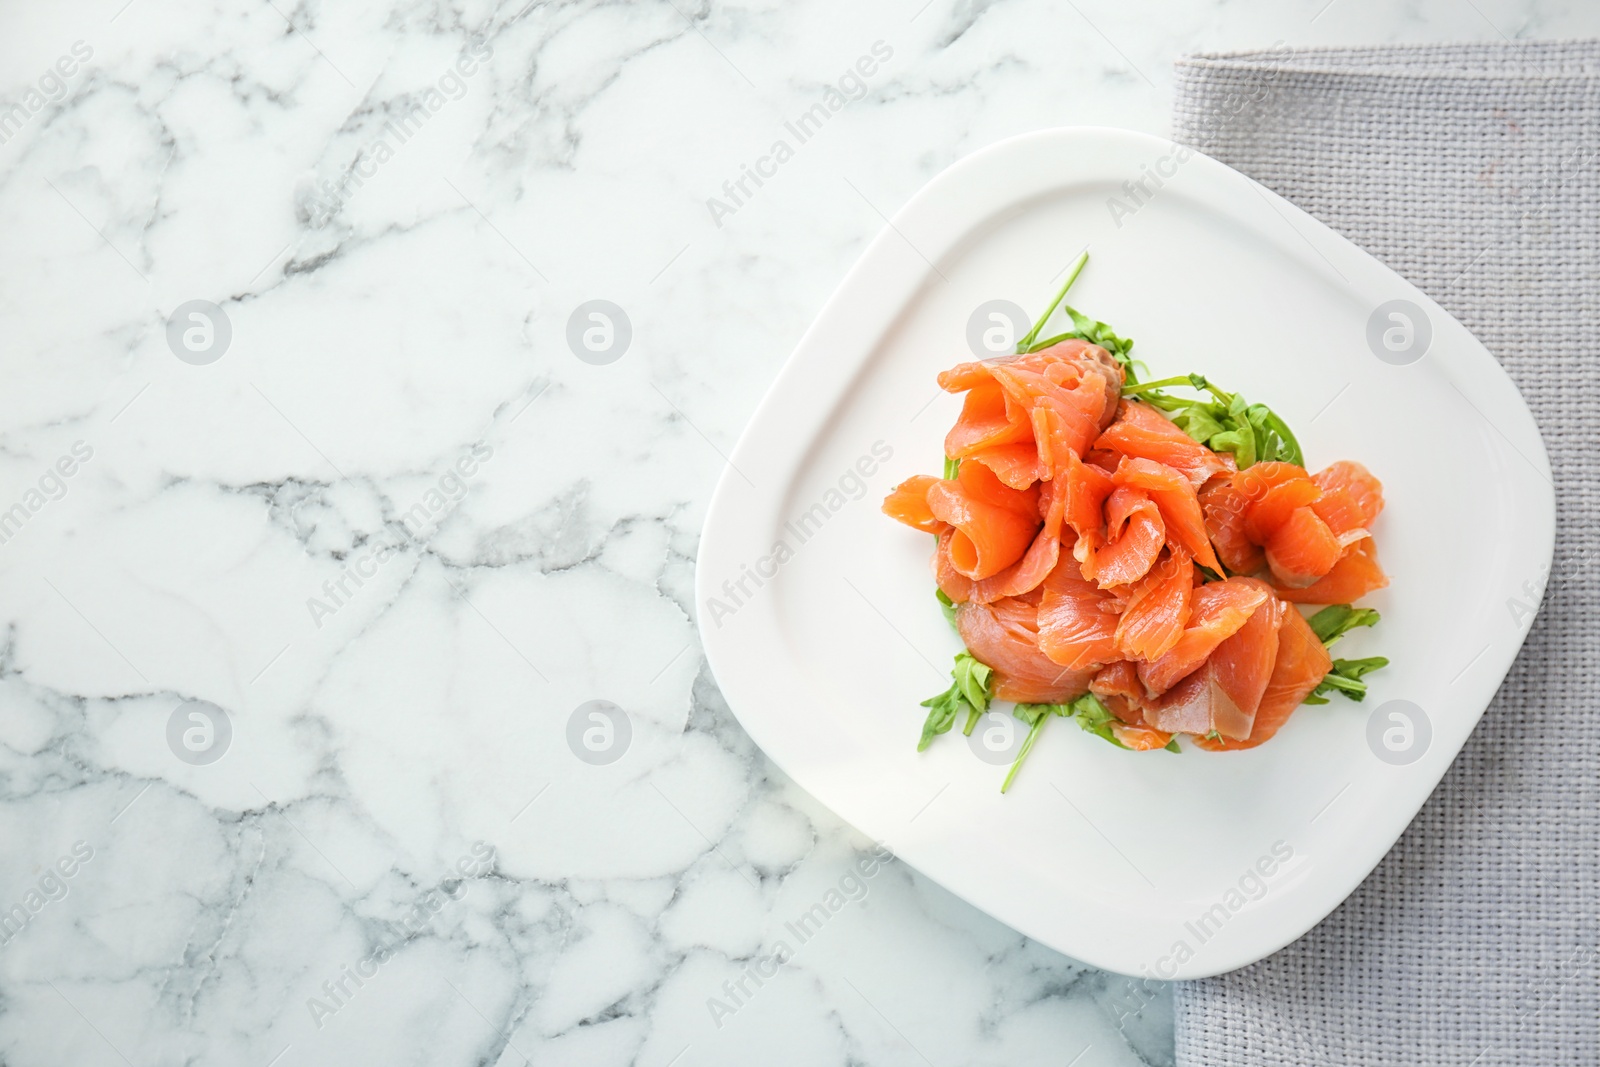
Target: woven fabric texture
[(1474, 171)]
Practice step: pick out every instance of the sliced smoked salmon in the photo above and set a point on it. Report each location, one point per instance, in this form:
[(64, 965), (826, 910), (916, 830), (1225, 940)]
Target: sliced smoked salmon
[(1355, 575), (1224, 505), (1301, 662), (1131, 558), (1351, 499), (1302, 549), (908, 502), (1142, 432), (1135, 534), (1178, 503), (1223, 694), (994, 524), (1005, 636), (1017, 464), (1077, 628), (1158, 608), (1216, 613)]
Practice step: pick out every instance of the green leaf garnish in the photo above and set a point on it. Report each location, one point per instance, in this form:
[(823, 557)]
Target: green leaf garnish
[(1097, 333), (1336, 620), (1330, 624), (1345, 678), (947, 606), (1093, 716), (1224, 423), (968, 693), (952, 467), (1027, 340)]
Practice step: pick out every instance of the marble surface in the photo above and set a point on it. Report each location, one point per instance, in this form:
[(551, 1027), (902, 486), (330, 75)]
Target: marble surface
[(307, 599)]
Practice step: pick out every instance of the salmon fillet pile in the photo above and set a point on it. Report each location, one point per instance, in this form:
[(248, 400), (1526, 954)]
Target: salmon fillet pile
[(1090, 545)]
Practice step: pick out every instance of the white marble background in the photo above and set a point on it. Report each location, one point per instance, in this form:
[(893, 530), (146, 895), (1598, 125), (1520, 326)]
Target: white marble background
[(398, 778)]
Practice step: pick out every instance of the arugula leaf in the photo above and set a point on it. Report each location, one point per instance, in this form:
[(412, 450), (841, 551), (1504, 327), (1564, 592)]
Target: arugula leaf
[(1093, 716), (1345, 678), (1035, 715), (969, 692), (1086, 329), (1336, 620), (947, 606), (952, 467), (1172, 746), (1224, 423), (1028, 339)]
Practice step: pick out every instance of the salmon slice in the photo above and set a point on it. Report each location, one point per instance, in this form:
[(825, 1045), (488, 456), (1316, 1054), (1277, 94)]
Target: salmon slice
[(1224, 693), (952, 583), (1224, 505), (1005, 636), (1117, 686), (1267, 515), (1135, 535), (1351, 497), (1301, 663), (1016, 465), (1355, 575), (988, 418), (1302, 550), (1087, 488), (1142, 432), (1091, 356), (908, 503), (988, 537), (1077, 628), (1140, 738), (1119, 689), (1254, 481), (1040, 558), (981, 483), (1178, 503), (1074, 396), (1158, 608), (1216, 612)]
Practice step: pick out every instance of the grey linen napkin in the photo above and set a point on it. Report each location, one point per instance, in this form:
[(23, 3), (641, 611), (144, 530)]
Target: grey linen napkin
[(1474, 171)]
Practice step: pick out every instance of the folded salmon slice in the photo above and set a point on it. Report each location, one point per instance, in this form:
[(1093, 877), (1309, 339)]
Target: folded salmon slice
[(908, 503), (1300, 664), (994, 524), (1302, 549), (1077, 627), (1355, 575), (1224, 506), (1087, 488), (1078, 383), (1216, 613), (1158, 608), (987, 419), (1040, 558), (1351, 497), (1276, 506), (1135, 534), (1117, 687), (1142, 432), (1224, 693), (951, 582), (1017, 465), (1178, 503), (1005, 636)]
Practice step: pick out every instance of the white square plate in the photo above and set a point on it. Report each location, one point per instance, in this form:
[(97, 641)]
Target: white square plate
[(1173, 866)]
